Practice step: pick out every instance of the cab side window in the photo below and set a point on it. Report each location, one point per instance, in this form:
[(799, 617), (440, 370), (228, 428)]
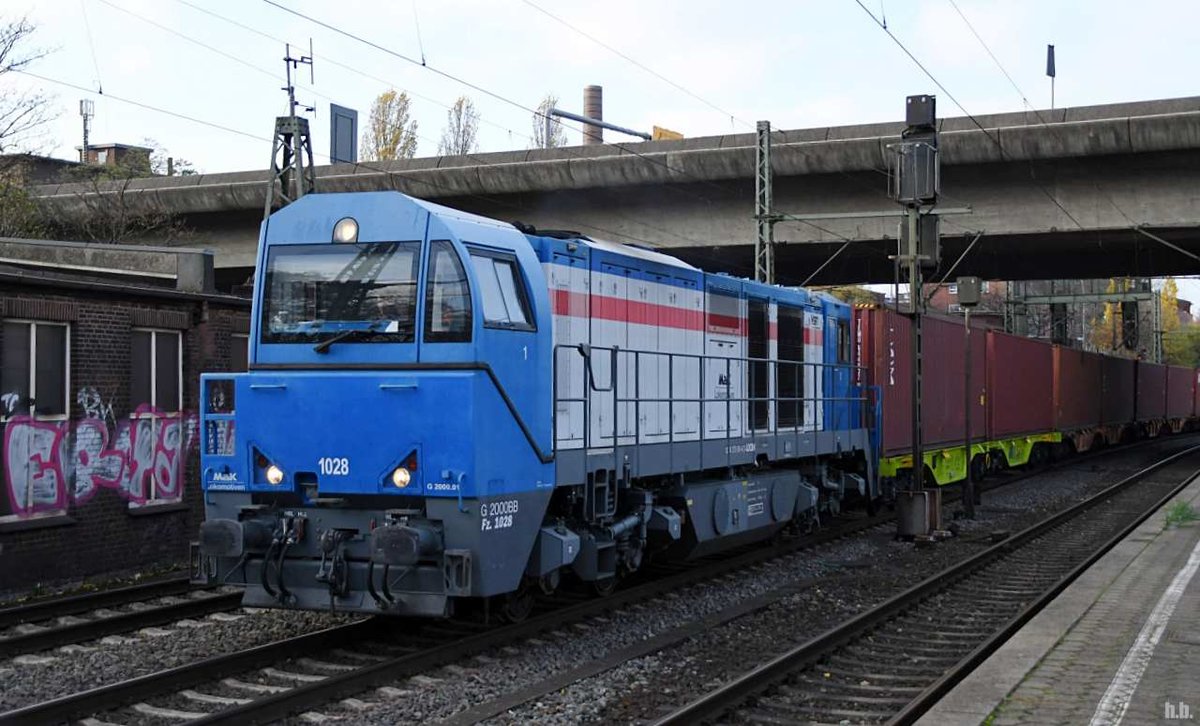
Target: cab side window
[(505, 302), (447, 296)]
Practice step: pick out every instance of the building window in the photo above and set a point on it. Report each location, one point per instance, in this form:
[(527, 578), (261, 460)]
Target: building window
[(157, 371), (239, 353), (953, 288), (157, 425), (35, 365)]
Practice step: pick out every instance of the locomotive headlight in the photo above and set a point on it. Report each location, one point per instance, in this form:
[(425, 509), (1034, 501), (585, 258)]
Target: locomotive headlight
[(401, 477), (346, 230), (274, 475)]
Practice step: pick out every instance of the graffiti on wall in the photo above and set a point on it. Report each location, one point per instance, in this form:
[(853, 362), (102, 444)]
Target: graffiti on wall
[(48, 464)]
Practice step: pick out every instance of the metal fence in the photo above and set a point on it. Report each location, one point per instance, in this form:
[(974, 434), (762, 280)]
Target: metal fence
[(753, 396)]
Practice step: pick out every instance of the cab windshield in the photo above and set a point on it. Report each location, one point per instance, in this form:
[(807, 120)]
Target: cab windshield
[(314, 291)]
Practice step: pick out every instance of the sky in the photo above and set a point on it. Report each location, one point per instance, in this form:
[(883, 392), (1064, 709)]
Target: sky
[(797, 63)]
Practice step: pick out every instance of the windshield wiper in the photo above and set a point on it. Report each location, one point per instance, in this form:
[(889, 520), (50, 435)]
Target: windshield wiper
[(324, 345)]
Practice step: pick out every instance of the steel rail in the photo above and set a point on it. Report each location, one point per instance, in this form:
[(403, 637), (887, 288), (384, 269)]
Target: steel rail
[(299, 699), (302, 698), (727, 696), (75, 604), (100, 699), (85, 703), (57, 635)]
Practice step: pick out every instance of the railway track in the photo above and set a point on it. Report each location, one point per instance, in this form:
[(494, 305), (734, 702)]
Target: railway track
[(291, 676), (51, 623), (279, 679), (889, 664)]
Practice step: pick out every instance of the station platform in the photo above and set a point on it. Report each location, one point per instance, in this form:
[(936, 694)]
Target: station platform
[(1120, 645)]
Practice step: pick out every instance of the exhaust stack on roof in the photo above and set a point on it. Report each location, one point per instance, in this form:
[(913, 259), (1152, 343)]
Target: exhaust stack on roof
[(593, 107)]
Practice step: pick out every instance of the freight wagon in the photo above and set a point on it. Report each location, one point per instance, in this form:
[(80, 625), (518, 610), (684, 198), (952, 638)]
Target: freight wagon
[(1029, 399)]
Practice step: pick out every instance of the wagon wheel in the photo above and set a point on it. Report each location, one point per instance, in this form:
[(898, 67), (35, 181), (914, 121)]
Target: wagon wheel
[(517, 605), (605, 586)]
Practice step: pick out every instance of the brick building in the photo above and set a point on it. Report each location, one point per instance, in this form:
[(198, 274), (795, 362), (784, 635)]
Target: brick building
[(115, 154), (99, 380), (990, 310)]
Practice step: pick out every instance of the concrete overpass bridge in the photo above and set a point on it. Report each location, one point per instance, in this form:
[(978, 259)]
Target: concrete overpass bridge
[(1077, 193)]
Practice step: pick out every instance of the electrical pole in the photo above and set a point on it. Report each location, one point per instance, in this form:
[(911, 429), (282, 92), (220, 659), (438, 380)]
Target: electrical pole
[(917, 183), (764, 243), (87, 109), (292, 173), (969, 289)]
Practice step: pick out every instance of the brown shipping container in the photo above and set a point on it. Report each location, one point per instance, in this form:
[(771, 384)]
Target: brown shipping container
[(1117, 405), (1180, 393), (1021, 385), (885, 347), (1151, 391), (1078, 384)]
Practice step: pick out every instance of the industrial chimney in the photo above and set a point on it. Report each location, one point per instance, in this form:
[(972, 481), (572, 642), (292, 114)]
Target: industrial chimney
[(593, 107)]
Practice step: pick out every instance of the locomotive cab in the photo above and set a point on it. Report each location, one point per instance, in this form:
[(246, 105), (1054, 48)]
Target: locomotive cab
[(391, 426)]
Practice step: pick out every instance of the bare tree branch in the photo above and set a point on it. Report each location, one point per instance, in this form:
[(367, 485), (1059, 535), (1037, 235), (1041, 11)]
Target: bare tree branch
[(462, 127), (558, 137), (20, 111)]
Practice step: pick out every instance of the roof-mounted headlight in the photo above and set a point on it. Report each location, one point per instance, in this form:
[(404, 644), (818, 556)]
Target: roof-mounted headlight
[(346, 230)]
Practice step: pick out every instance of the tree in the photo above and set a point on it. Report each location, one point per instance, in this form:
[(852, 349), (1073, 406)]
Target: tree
[(557, 136), (1177, 348), (19, 214), (1104, 330), (21, 112), (391, 132), (462, 126), (160, 163)]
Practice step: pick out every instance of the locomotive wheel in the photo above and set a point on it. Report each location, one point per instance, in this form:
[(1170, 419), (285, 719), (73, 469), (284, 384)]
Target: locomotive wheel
[(516, 606), (605, 586)]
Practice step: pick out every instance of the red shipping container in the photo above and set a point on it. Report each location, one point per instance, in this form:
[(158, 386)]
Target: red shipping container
[(1020, 385), (1118, 404), (1180, 392), (1196, 392), (1078, 383), (1151, 391), (885, 348)]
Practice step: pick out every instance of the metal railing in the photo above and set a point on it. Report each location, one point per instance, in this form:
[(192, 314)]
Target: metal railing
[(762, 396)]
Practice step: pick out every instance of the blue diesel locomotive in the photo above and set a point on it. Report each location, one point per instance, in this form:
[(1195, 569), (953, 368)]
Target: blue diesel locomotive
[(442, 409)]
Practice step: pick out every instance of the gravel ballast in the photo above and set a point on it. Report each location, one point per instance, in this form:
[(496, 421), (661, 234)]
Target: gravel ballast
[(833, 582), (829, 584)]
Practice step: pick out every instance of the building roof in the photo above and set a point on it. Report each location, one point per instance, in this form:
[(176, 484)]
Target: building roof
[(117, 146), (14, 275)]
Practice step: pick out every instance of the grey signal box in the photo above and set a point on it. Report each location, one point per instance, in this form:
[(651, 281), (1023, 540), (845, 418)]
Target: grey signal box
[(917, 173), (969, 289), (343, 135)]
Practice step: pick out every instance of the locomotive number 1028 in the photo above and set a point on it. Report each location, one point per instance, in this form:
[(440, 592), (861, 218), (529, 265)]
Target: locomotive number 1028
[(334, 466)]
